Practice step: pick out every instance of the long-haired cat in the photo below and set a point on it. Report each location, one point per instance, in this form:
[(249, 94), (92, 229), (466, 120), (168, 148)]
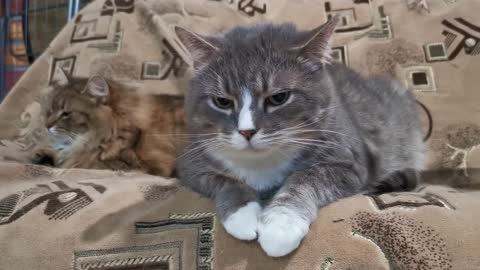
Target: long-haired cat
[(97, 123), (274, 119)]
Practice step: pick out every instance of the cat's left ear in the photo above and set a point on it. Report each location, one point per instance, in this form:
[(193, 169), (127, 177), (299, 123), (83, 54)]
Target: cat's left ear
[(97, 88), (318, 41), (201, 48)]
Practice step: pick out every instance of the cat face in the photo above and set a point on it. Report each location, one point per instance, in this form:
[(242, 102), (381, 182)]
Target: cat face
[(256, 90), (75, 108)]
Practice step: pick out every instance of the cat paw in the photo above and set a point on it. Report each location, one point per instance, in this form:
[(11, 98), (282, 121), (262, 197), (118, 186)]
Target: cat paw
[(280, 231), (243, 223)]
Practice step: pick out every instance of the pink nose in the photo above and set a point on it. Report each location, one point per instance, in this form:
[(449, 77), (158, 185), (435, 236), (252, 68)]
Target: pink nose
[(248, 134)]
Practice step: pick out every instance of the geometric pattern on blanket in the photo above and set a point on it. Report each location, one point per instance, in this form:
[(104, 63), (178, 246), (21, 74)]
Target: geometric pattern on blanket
[(203, 223), (163, 256), (61, 201), (138, 221)]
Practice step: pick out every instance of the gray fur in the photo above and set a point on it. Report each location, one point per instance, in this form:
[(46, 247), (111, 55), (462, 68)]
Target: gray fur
[(363, 130)]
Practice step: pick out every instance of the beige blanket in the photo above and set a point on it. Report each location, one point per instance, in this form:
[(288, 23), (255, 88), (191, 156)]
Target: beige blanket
[(80, 219)]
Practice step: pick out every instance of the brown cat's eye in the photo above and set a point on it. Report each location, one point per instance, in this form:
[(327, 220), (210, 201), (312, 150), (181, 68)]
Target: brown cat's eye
[(65, 114), (222, 103), (277, 99)]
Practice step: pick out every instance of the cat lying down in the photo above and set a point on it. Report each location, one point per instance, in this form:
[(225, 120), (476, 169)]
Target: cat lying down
[(283, 131), (96, 123), (275, 130)]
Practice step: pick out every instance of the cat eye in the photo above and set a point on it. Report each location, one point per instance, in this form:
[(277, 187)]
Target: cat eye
[(65, 114), (222, 103), (277, 99)]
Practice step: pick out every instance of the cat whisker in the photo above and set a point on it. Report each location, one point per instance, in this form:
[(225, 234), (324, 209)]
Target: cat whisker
[(206, 150), (273, 137), (318, 141), (320, 131), (186, 138), (182, 135), (203, 145), (319, 144), (293, 129), (308, 147), (174, 140), (287, 139), (214, 148), (305, 123)]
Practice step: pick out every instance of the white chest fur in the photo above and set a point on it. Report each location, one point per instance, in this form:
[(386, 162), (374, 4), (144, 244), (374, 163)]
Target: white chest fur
[(259, 171)]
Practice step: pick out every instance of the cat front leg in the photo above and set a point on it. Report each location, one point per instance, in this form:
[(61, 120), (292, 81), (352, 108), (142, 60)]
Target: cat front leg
[(238, 209), (281, 229), (286, 220), (236, 203), (243, 222)]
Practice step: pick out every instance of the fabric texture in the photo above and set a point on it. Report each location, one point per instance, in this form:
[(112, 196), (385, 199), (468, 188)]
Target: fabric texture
[(89, 219)]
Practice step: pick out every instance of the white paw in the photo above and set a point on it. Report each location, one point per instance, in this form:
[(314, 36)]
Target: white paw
[(243, 223), (281, 230)]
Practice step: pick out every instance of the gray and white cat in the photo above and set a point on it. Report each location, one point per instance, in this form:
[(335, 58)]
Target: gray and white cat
[(269, 117)]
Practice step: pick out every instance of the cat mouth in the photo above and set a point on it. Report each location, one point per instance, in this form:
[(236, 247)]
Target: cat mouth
[(254, 150), (250, 148)]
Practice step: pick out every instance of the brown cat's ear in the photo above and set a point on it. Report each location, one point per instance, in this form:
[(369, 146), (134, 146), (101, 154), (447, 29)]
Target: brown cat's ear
[(60, 77), (97, 88), (318, 41), (200, 48)]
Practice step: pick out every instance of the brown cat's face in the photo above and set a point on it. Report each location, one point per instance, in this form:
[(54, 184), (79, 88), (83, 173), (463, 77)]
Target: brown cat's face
[(69, 114), (76, 110)]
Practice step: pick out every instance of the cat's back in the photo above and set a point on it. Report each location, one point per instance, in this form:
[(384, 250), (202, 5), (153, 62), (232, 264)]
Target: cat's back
[(385, 114), (169, 109), (376, 96), (163, 125), (168, 102)]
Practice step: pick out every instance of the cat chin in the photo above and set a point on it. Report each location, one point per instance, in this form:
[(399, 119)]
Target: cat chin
[(261, 172), (251, 152)]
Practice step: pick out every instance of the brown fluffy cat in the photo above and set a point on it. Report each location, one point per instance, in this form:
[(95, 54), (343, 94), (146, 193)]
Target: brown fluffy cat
[(96, 123)]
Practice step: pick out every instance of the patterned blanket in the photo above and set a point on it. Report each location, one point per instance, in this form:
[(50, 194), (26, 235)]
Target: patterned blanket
[(89, 219)]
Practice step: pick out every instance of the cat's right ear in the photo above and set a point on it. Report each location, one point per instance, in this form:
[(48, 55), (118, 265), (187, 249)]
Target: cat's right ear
[(200, 48), (318, 41), (97, 88)]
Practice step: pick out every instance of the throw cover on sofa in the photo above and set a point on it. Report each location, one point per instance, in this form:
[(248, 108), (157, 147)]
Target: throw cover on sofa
[(91, 219)]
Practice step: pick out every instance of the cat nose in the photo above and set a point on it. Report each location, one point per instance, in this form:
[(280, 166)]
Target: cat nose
[(248, 134)]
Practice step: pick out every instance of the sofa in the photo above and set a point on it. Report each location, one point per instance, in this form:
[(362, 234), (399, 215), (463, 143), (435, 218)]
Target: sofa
[(57, 218)]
